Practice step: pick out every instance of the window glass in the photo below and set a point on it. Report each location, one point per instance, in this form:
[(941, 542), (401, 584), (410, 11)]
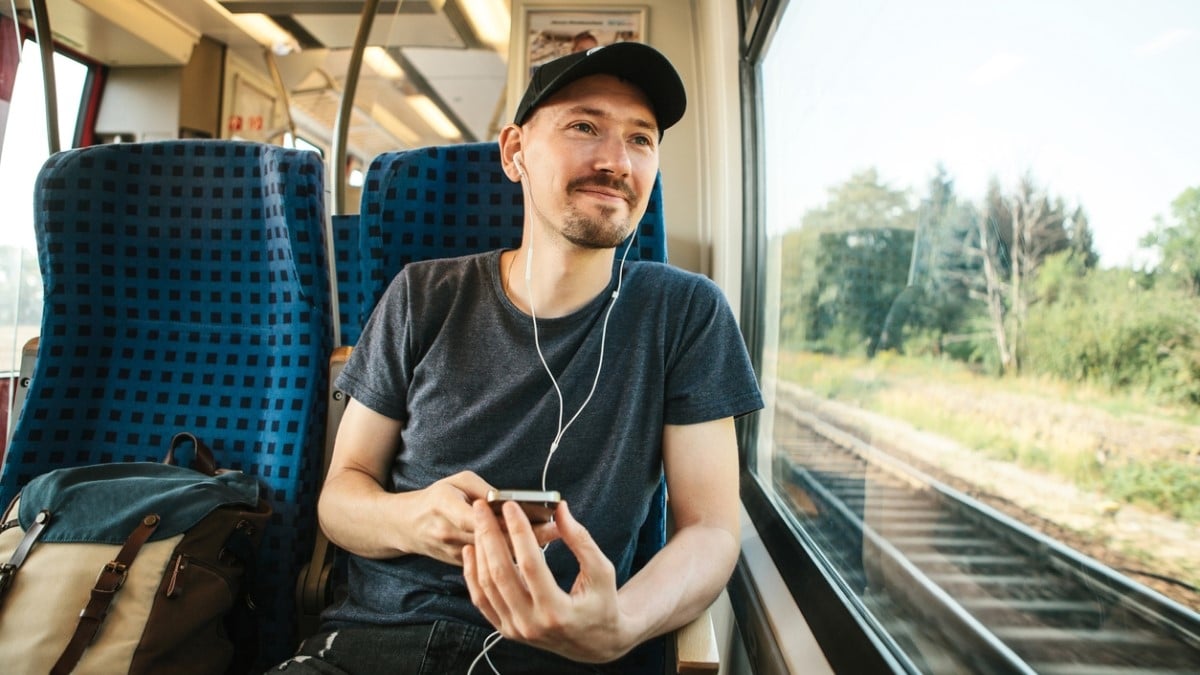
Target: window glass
[(981, 323), (24, 149), (301, 143)]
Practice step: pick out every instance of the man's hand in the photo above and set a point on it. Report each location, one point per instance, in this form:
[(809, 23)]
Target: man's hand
[(442, 521), (516, 591)]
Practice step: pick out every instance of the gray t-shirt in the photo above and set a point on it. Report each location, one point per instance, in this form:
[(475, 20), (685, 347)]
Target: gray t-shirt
[(448, 354)]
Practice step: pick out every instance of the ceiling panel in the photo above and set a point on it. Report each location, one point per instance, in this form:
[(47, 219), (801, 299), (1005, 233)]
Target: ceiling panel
[(471, 82), (407, 29), (429, 37), (329, 6), (139, 33)]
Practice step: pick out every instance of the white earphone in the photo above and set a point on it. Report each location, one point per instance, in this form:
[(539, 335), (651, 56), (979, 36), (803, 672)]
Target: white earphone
[(519, 163), (495, 637)]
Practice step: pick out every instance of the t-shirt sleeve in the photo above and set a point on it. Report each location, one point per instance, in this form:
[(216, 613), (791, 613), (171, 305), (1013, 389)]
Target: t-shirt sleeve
[(709, 375), (380, 368)]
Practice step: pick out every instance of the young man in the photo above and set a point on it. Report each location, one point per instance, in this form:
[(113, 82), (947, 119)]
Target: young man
[(552, 366)]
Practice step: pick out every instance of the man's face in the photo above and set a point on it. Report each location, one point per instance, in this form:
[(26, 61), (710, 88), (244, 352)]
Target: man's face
[(591, 154)]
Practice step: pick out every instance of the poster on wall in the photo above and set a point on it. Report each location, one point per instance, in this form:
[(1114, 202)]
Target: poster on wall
[(551, 33)]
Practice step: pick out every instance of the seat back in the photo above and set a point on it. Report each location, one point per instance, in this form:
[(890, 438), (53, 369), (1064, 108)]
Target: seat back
[(453, 200), (349, 282), (186, 288)]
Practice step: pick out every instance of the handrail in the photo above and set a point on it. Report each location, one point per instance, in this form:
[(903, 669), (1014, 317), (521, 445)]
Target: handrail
[(345, 111), (41, 28), (273, 67)]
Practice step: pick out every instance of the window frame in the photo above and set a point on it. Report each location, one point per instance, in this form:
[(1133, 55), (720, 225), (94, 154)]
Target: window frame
[(846, 634)]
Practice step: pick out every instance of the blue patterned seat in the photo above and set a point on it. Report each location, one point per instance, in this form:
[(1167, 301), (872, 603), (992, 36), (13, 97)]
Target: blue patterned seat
[(447, 201), (348, 269), (186, 288)]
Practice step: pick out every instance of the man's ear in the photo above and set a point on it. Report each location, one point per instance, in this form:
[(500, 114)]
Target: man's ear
[(510, 148)]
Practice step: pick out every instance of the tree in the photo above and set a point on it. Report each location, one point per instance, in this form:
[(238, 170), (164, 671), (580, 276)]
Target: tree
[(845, 265), (935, 301), (1082, 240), (797, 286), (1017, 234), (1108, 328), (1178, 242)]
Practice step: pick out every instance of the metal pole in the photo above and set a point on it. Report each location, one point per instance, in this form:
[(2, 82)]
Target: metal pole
[(12, 4), (41, 28), (273, 67), (342, 125)]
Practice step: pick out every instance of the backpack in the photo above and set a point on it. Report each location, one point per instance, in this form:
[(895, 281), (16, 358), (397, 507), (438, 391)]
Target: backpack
[(133, 567)]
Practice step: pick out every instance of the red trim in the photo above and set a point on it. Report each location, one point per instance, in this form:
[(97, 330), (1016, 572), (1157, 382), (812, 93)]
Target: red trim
[(10, 57), (94, 91)]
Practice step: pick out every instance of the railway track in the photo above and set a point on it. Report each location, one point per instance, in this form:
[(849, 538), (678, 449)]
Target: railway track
[(959, 587)]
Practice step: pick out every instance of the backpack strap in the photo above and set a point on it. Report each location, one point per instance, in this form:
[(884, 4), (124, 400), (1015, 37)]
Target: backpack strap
[(8, 570), (108, 582)]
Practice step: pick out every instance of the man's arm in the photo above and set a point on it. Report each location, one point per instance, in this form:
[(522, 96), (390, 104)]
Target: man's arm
[(358, 514), (675, 586), (595, 622)]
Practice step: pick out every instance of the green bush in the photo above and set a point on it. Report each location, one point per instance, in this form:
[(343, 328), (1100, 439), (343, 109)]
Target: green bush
[(1171, 486), (1109, 329)]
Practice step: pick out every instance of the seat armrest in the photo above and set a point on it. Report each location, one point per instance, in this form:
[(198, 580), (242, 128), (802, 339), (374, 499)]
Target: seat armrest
[(696, 646), (29, 355), (337, 406), (312, 588)]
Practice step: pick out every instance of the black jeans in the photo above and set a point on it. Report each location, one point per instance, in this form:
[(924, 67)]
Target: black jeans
[(441, 648)]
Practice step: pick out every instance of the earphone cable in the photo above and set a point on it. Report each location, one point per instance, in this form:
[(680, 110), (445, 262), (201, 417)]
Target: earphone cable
[(488, 642), (599, 365), (495, 637), (562, 429)]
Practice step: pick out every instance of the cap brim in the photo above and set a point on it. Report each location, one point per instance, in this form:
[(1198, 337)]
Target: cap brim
[(639, 64)]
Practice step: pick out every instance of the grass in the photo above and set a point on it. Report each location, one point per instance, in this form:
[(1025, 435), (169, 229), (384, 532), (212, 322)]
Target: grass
[(1126, 446)]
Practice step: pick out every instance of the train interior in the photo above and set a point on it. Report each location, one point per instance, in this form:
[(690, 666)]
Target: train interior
[(867, 544)]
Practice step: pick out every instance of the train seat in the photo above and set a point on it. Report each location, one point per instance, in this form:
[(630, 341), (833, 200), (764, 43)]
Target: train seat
[(186, 287), (348, 271), (446, 201)]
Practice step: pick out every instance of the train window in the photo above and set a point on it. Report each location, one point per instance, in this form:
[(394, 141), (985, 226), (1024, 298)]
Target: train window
[(979, 326), (23, 148), (301, 143)]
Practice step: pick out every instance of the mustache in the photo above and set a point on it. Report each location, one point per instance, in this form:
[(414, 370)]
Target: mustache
[(604, 181)]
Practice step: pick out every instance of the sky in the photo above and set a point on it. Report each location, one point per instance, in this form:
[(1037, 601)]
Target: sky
[(1099, 101)]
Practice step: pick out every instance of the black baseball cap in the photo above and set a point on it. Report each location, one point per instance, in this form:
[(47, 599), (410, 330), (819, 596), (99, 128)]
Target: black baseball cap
[(634, 62)]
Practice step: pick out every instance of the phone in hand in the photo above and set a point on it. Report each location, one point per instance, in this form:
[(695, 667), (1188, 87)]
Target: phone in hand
[(538, 505)]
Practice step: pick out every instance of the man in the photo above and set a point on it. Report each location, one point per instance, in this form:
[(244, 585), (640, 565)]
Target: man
[(550, 367)]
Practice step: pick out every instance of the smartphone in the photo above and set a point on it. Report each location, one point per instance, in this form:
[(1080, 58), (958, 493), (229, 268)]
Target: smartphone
[(538, 505)]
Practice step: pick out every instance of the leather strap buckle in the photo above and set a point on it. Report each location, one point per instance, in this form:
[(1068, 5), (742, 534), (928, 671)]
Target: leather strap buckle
[(114, 567), (108, 582)]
